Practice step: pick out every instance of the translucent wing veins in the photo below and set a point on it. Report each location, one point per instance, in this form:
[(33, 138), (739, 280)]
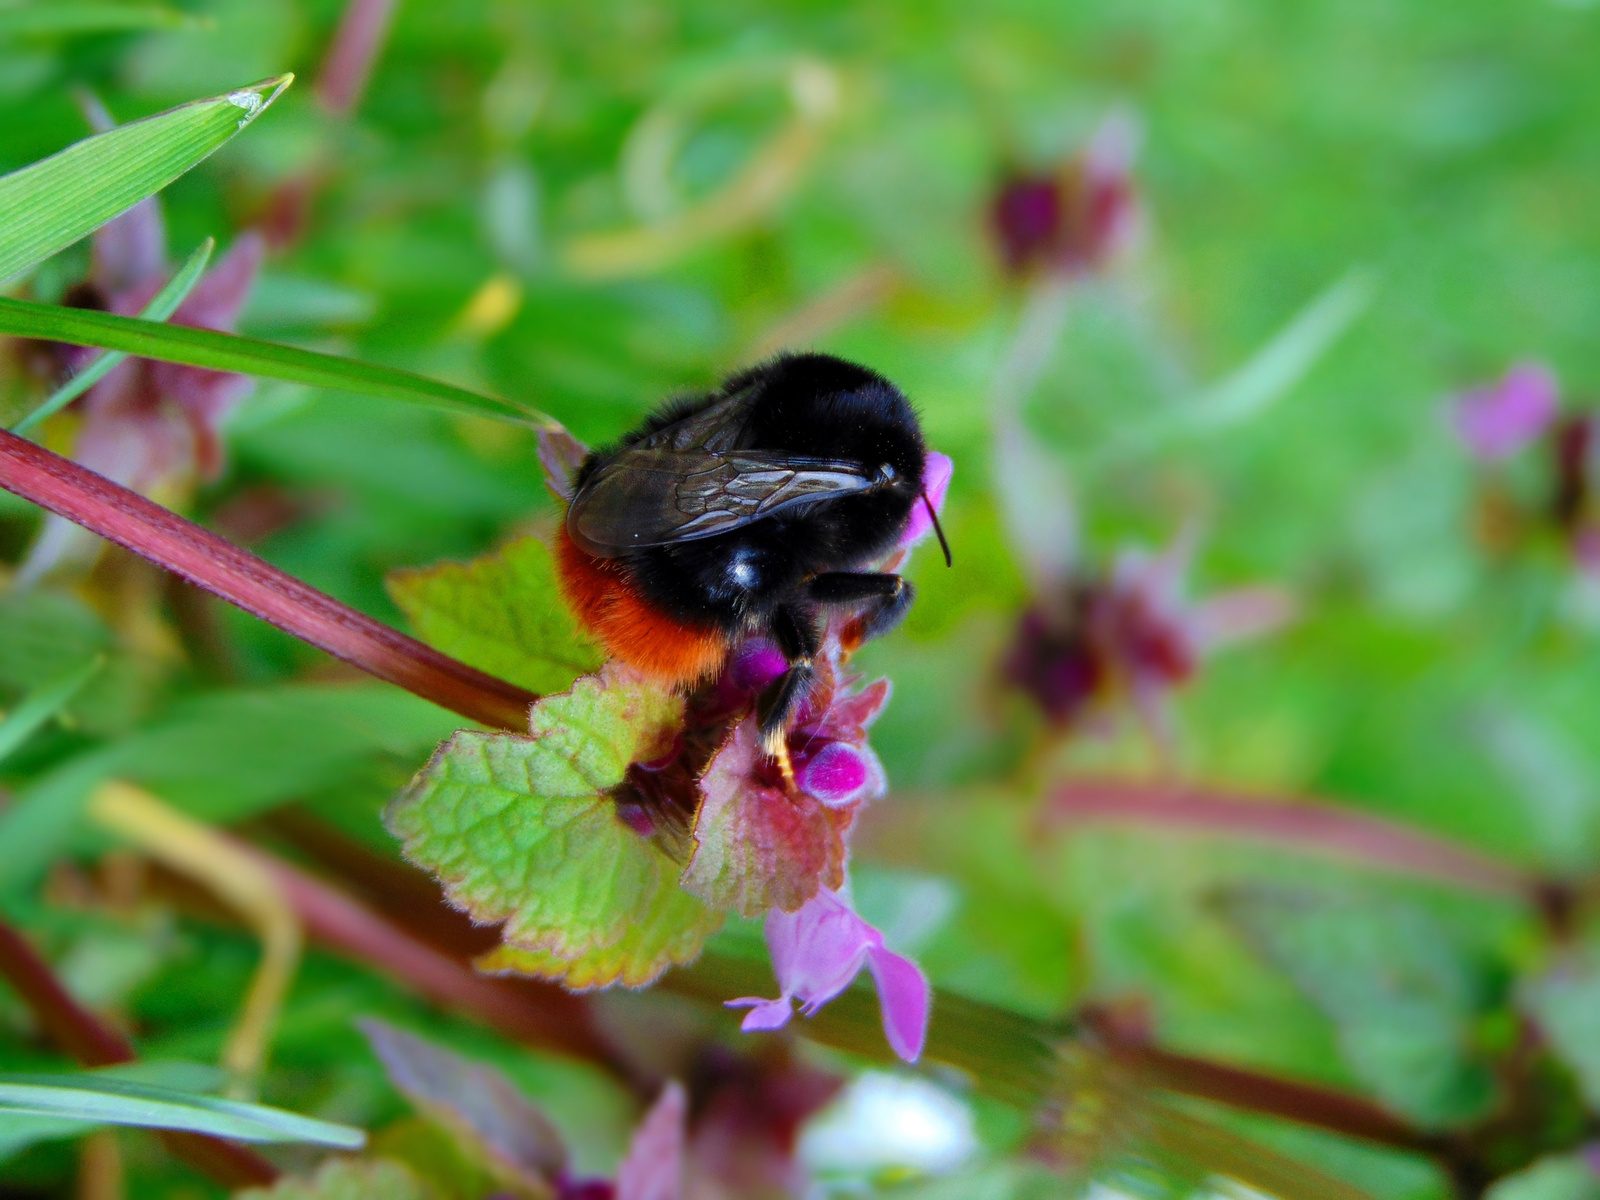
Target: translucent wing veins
[(692, 480)]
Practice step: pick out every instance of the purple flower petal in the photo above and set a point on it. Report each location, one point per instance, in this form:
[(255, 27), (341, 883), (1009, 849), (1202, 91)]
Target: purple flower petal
[(756, 663), (653, 1168), (904, 997), (842, 773), (817, 949), (1586, 551), (817, 952), (1589, 1155), (1497, 421), (837, 775), (936, 471), (216, 300), (763, 1014), (131, 251)]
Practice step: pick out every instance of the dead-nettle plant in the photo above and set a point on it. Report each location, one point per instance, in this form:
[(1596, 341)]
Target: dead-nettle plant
[(610, 824), (605, 824), (645, 816)]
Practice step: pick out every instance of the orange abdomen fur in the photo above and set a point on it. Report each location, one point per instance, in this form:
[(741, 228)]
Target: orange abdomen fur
[(649, 641)]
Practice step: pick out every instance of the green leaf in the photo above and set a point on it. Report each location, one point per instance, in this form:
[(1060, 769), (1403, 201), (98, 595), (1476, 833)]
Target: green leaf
[(21, 1130), (503, 614), (520, 830), (225, 756), (96, 1099), (44, 702), (344, 1179), (1270, 374), (160, 308), (1404, 994), (247, 356), (55, 17), (1565, 1001), (54, 202)]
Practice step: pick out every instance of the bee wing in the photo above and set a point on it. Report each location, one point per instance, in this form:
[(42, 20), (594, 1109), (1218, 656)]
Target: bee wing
[(655, 496)]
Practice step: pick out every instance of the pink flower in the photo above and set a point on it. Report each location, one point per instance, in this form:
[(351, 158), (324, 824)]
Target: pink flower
[(749, 1110), (1131, 634), (757, 842), (817, 952), (936, 471), (150, 425), (488, 1113), (1498, 420), (1079, 217), (653, 1166)]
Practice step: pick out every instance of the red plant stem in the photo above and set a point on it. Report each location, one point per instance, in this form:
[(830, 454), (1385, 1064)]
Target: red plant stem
[(1313, 827), (401, 888), (82, 1036), (1306, 1104), (350, 59), (218, 566), (71, 1026)]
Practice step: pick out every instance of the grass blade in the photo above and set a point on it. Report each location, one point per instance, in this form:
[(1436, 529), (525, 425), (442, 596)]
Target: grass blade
[(1270, 374), (44, 20), (99, 1100), (1285, 360), (160, 308), (54, 202), (42, 703), (228, 352)]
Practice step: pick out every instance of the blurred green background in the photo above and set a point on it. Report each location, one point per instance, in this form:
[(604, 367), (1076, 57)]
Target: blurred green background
[(520, 201)]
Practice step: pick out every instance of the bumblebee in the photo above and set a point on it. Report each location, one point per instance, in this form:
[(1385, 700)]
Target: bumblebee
[(761, 508)]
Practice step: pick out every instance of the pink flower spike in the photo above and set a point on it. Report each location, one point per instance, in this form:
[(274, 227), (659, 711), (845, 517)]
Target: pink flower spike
[(817, 952), (936, 471), (1497, 421), (653, 1168)]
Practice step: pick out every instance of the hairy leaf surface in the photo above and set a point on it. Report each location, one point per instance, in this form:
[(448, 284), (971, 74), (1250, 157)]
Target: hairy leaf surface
[(501, 613)]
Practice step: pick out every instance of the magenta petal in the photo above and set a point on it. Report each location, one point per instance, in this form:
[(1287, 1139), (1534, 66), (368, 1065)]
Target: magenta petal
[(653, 1168), (755, 664), (216, 300), (1497, 421), (837, 775), (763, 1014), (818, 949), (857, 711), (936, 471), (904, 999)]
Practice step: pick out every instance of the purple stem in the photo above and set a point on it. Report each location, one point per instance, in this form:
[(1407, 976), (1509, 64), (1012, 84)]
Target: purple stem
[(239, 577), (1310, 826), (351, 57), (88, 1041)]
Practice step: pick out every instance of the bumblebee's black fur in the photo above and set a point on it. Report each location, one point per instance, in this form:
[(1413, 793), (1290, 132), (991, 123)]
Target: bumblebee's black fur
[(778, 575)]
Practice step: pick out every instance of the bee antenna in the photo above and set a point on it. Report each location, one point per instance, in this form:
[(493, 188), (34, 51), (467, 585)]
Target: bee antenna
[(938, 529)]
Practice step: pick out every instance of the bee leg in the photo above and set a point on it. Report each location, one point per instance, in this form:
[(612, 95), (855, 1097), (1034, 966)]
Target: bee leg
[(798, 639), (884, 599)]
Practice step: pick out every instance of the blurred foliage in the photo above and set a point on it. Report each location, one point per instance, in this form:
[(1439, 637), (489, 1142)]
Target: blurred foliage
[(456, 225)]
